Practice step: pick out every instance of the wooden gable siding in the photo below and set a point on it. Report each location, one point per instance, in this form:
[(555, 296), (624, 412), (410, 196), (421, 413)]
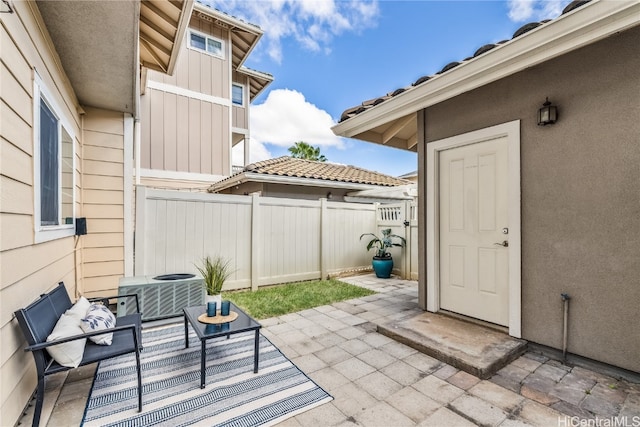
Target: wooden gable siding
[(184, 134), (185, 124), (28, 269), (240, 118), (197, 71)]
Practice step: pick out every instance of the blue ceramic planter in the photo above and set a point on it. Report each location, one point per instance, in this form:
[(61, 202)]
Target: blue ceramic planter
[(382, 267)]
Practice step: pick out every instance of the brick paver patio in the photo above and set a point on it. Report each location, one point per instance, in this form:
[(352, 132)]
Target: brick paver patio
[(379, 382), (376, 381)]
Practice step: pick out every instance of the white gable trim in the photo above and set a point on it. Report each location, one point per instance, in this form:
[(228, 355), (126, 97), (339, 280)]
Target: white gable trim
[(583, 26), (177, 90)]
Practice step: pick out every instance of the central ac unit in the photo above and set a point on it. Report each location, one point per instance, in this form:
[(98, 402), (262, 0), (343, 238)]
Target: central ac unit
[(160, 297)]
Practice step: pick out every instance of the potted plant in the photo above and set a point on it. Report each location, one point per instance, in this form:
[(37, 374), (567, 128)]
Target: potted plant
[(214, 272), (382, 260)]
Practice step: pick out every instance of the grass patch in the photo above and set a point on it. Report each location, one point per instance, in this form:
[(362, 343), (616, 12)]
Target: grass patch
[(292, 297)]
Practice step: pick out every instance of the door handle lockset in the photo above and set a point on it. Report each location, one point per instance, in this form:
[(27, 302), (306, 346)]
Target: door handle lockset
[(503, 243)]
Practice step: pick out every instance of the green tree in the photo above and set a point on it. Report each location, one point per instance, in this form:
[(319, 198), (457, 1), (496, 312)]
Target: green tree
[(302, 150)]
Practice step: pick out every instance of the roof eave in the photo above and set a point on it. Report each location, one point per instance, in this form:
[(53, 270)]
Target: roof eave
[(106, 77), (258, 76), (233, 23), (228, 19), (181, 31), (243, 177), (584, 26)]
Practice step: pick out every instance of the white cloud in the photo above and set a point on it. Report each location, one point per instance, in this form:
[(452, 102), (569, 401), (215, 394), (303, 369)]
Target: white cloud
[(283, 119), (286, 117), (258, 152), (535, 10), (312, 23)]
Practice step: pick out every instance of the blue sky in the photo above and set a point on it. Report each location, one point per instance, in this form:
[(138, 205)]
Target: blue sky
[(330, 55)]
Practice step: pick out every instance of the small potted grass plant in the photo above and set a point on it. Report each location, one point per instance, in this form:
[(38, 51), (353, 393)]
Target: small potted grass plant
[(215, 271), (382, 261)]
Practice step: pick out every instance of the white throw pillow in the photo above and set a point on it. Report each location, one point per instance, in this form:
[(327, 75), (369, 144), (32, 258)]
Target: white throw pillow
[(69, 353), (98, 318), (79, 309)]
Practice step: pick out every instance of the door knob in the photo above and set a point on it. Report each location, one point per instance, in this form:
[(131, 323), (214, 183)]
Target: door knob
[(503, 243)]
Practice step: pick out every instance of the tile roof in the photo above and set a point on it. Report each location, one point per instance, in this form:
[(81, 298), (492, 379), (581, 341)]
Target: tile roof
[(366, 105), (206, 4), (300, 168)]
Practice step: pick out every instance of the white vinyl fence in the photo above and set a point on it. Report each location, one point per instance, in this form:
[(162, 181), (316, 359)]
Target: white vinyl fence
[(268, 240)]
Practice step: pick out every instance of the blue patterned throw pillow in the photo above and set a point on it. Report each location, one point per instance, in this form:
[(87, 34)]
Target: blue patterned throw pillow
[(99, 318)]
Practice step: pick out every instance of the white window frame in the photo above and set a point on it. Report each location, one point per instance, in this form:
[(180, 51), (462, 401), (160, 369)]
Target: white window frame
[(207, 37), (44, 233), (241, 86)]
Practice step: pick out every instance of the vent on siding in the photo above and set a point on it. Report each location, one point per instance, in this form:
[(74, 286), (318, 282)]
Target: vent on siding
[(160, 299)]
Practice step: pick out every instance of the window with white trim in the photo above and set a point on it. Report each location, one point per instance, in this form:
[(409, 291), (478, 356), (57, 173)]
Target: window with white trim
[(237, 94), (206, 44), (53, 169)]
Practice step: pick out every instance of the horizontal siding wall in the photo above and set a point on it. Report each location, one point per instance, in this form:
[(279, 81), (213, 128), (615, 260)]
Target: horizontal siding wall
[(103, 197), (27, 269), (268, 240)]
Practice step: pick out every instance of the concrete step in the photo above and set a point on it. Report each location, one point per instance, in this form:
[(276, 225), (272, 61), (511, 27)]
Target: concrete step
[(476, 349)]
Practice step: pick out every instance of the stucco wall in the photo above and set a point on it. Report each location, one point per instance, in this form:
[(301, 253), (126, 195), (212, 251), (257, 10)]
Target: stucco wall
[(580, 182)]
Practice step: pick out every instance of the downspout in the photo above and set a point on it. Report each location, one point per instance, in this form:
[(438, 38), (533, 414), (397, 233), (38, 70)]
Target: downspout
[(229, 139), (247, 137), (136, 142), (128, 198), (77, 290), (565, 321)]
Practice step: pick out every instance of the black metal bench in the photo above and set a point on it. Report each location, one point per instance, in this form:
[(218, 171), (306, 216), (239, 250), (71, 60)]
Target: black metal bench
[(40, 317)]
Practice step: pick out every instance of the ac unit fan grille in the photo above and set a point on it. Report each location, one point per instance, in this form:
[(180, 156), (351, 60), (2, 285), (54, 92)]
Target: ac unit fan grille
[(159, 300)]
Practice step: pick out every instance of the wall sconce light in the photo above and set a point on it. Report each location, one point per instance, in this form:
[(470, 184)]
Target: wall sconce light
[(5, 7), (548, 114), (329, 195)]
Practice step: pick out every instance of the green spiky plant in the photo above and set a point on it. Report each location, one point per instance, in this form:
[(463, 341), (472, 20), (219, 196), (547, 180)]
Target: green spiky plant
[(381, 245), (214, 272)]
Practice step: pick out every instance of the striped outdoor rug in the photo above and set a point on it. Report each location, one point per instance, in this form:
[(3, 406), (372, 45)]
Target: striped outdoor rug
[(234, 395)]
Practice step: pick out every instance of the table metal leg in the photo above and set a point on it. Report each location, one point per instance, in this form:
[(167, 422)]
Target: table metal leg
[(203, 357), (186, 333), (256, 352)]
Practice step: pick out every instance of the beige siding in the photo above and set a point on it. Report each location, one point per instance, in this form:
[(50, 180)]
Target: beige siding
[(103, 197), (240, 118), (182, 133), (580, 192), (198, 71), (28, 269)]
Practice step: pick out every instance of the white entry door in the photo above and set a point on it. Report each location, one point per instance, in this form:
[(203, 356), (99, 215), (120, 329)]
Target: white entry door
[(473, 230)]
